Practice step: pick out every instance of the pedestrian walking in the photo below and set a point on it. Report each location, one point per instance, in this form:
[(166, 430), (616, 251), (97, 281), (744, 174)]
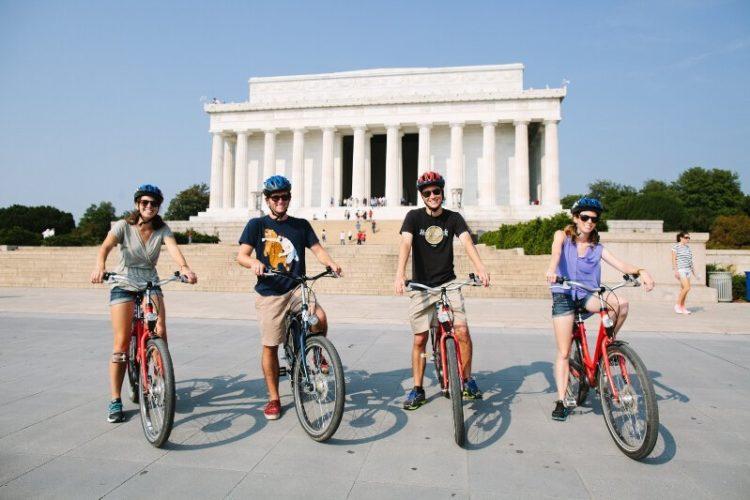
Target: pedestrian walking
[(323, 236), (682, 265)]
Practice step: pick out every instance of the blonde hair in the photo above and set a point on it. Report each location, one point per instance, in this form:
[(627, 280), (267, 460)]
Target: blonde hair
[(571, 231)]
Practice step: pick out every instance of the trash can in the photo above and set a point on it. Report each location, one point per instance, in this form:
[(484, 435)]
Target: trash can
[(722, 281), (747, 286)]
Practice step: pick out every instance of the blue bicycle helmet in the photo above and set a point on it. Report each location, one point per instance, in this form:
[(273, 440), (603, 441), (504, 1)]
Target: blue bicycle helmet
[(148, 190), (586, 203), (276, 183)]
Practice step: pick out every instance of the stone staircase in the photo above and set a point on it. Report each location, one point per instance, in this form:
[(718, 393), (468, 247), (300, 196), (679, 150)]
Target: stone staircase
[(368, 269)]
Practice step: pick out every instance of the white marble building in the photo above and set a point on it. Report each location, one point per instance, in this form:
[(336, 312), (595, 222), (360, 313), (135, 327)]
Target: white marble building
[(370, 133)]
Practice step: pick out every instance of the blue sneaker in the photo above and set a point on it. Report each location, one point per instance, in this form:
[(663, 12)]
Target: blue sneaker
[(471, 389), (560, 412), (415, 399), (115, 411)]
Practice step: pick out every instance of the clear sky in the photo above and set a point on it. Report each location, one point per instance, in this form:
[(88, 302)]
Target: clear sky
[(98, 97)]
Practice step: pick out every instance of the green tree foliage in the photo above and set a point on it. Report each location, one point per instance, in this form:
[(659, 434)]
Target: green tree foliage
[(708, 194), (184, 238), (36, 219), (609, 192), (535, 237), (19, 236), (188, 202), (567, 201), (74, 238), (96, 221), (730, 231), (653, 204)]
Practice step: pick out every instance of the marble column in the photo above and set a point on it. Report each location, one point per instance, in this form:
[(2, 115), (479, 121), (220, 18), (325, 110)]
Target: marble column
[(326, 181), (551, 165), (298, 168), (455, 178), (240, 180), (216, 196), (486, 178), (269, 154), (358, 164), (368, 166), (423, 160), (392, 165), (337, 169), (228, 172), (519, 182)]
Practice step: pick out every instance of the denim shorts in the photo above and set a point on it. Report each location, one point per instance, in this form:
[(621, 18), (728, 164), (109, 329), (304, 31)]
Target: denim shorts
[(564, 304), (120, 296)]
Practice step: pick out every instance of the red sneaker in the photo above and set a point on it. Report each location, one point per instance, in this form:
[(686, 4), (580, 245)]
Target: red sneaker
[(272, 411)]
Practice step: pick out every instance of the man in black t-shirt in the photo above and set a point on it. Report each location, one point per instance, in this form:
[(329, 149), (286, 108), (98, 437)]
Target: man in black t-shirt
[(279, 241), (427, 233)]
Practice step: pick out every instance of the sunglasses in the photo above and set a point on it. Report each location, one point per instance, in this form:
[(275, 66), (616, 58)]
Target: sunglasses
[(586, 218), (686, 237), (427, 192), (153, 203), (278, 197)]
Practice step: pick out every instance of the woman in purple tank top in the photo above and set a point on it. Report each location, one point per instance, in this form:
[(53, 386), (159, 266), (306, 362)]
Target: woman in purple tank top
[(577, 254)]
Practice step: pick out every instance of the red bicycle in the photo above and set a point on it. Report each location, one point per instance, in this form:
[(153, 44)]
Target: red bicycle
[(625, 388), (445, 353), (150, 373)]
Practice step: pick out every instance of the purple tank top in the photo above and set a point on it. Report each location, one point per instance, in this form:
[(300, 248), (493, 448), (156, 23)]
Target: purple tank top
[(586, 269)]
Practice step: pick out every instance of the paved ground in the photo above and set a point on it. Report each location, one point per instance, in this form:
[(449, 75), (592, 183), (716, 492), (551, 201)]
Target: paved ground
[(55, 442)]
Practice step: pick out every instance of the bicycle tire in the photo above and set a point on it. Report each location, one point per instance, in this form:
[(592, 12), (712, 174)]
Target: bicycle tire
[(132, 369), (637, 437), (437, 359), (578, 386), (456, 392), (157, 407), (319, 428)]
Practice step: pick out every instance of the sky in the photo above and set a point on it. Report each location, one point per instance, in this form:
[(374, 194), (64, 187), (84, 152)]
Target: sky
[(98, 97)]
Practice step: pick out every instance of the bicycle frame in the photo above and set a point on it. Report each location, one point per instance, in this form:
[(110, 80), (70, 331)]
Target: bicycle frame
[(143, 330), (443, 331)]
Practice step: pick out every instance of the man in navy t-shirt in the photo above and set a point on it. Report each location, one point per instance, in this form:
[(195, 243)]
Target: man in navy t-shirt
[(279, 242)]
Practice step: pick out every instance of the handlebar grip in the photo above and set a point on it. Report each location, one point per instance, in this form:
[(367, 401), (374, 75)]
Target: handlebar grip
[(407, 283), (472, 277), (107, 275), (329, 269), (560, 280)]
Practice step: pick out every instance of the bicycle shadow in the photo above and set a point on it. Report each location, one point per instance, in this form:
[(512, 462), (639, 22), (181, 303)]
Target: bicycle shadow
[(493, 414)]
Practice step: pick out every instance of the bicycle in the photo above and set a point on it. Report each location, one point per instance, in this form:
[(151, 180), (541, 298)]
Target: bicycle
[(149, 368), (313, 365), (626, 392), (445, 354)]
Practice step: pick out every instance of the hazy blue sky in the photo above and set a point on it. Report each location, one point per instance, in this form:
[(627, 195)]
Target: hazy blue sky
[(98, 97)]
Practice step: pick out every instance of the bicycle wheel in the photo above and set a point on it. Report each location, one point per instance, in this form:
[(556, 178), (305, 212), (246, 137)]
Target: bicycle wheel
[(578, 387), (133, 370), (319, 397), (456, 391), (437, 358), (632, 418), (157, 393)]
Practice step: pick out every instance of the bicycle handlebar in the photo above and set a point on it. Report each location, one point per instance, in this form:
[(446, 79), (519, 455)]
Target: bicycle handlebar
[(628, 280), (142, 285), (301, 279), (472, 281)]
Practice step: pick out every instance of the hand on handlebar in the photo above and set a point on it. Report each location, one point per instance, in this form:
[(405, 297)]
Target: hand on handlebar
[(257, 267), (336, 269), (484, 277), (189, 277), (399, 285), (97, 275), (551, 277), (648, 281)]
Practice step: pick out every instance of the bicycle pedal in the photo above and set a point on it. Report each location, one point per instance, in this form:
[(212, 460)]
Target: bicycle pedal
[(282, 371), (570, 403)]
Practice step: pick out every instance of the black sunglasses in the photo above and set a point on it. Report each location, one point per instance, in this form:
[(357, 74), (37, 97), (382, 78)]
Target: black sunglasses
[(686, 237), (153, 203), (277, 197), (586, 218), (427, 192)]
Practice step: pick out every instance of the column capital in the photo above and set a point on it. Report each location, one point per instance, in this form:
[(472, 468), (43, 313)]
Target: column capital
[(299, 130), (244, 132), (457, 124), (328, 128), (551, 122), (425, 125), (521, 122), (489, 123), (392, 125), (270, 131), (359, 128)]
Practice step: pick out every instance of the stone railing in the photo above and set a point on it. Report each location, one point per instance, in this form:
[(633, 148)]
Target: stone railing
[(738, 259)]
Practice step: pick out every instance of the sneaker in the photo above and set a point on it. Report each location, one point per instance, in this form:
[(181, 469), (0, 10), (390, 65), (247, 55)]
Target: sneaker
[(678, 309), (272, 411), (685, 310), (415, 399), (471, 390), (115, 411), (560, 412)]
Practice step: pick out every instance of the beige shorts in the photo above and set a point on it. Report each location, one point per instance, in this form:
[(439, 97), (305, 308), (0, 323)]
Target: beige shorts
[(271, 310), (422, 308)]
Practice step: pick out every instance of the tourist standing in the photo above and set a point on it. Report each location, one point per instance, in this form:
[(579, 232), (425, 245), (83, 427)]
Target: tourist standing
[(682, 265), (342, 238), (323, 235)]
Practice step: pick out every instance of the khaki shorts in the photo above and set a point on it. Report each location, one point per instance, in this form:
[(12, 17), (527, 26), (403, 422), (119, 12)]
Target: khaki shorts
[(271, 310), (422, 308)]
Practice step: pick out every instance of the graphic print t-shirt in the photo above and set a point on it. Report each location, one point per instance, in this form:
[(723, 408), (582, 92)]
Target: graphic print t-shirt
[(432, 244), (279, 245)]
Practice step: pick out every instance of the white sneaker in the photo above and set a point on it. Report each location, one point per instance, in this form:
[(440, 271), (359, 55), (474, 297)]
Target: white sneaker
[(678, 309), (685, 310)]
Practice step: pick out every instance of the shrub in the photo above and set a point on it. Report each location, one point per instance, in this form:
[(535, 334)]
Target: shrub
[(738, 286), (19, 236), (75, 238), (535, 237), (730, 231), (183, 238), (36, 219)]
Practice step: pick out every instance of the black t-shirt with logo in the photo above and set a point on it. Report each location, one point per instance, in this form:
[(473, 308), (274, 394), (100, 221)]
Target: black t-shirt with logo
[(279, 245), (432, 244)]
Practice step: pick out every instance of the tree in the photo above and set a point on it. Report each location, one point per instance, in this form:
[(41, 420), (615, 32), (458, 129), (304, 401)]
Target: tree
[(188, 202), (96, 220), (36, 219), (567, 201), (730, 231), (609, 192), (656, 186), (708, 194), (653, 205)]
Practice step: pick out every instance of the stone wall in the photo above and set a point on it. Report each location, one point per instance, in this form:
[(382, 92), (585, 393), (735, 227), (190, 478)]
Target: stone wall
[(738, 259)]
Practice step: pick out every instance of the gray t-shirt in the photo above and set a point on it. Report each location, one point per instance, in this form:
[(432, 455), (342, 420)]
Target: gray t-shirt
[(138, 259)]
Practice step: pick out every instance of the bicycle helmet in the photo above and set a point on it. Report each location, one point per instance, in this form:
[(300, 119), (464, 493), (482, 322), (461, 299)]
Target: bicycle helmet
[(276, 183), (430, 179), (586, 203), (148, 190)]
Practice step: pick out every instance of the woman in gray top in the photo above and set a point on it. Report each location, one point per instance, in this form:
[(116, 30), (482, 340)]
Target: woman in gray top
[(140, 237)]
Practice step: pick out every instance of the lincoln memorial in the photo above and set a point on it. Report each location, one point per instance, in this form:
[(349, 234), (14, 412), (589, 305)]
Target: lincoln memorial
[(359, 135)]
